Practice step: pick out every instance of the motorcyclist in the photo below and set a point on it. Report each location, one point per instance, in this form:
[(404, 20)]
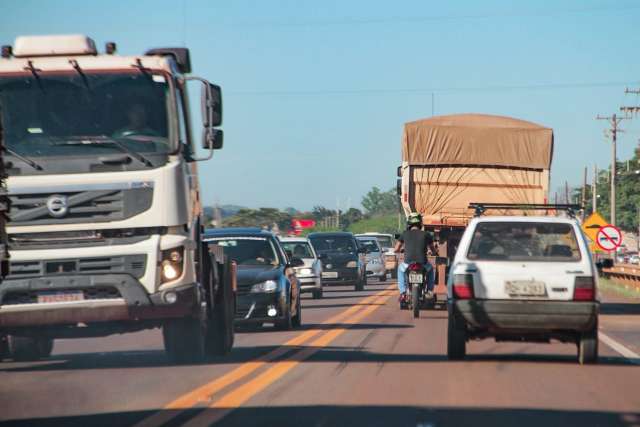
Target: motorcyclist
[(415, 242)]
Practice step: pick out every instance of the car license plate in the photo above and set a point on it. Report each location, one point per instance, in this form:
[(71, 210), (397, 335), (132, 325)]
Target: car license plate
[(525, 288), (415, 277), (329, 274), (60, 296)]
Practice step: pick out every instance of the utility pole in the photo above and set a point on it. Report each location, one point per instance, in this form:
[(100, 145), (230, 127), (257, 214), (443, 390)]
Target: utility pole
[(583, 205), (567, 199), (594, 189), (631, 110), (614, 122)]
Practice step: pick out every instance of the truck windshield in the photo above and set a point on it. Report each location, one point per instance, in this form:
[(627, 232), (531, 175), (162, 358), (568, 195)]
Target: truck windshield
[(85, 114), (524, 241)]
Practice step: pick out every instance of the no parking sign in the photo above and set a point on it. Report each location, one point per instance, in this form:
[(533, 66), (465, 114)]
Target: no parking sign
[(609, 238)]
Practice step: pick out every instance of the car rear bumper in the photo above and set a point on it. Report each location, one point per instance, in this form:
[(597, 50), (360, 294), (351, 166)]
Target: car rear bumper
[(346, 276), (308, 284), (129, 302), (376, 270), (527, 315)]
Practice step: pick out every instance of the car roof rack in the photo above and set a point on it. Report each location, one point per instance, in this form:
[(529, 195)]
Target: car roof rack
[(480, 208)]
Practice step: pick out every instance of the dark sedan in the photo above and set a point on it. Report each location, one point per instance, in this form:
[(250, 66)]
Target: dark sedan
[(342, 259), (267, 288)]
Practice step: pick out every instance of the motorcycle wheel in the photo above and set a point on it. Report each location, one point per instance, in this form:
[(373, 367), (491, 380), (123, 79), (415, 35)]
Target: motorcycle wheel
[(415, 300)]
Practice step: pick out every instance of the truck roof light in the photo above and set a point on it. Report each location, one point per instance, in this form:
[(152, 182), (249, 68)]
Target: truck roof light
[(6, 51), (31, 46), (110, 48)]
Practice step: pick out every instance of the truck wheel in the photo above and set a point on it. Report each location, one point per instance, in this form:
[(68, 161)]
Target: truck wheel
[(456, 337), (23, 349), (184, 340), (296, 321), (220, 331), (588, 347)]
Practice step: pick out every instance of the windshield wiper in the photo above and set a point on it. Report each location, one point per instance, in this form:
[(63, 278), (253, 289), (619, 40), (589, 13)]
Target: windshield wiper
[(102, 140), (76, 67), (25, 159)]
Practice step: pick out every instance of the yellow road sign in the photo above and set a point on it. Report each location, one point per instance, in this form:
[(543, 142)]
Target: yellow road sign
[(592, 225)]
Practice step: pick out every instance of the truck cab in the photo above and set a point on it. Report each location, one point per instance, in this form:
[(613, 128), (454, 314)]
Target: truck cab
[(105, 228)]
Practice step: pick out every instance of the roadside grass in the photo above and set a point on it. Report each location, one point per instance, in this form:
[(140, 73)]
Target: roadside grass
[(618, 288)]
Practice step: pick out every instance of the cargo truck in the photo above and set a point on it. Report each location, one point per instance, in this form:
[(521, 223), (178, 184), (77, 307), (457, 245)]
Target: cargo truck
[(106, 220), (450, 162)]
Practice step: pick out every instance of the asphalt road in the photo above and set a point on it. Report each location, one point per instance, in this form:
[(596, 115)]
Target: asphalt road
[(357, 360)]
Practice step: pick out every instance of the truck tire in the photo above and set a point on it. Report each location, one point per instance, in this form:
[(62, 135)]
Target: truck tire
[(220, 330), (456, 337), (296, 321), (588, 346), (23, 349), (184, 340)]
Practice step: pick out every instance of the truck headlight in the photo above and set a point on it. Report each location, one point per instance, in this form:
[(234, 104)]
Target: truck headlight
[(305, 272), (266, 286), (352, 264), (172, 264)]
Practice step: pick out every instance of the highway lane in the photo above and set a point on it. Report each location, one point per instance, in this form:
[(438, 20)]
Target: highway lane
[(368, 364)]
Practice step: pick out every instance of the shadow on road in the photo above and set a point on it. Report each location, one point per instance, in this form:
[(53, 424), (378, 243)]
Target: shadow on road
[(369, 416), (620, 308)]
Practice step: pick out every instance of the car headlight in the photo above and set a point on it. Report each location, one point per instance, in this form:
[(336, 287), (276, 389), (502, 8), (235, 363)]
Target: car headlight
[(352, 264), (171, 264), (266, 286), (305, 272)]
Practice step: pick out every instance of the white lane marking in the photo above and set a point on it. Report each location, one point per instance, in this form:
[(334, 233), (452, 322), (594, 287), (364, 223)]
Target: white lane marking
[(632, 356)]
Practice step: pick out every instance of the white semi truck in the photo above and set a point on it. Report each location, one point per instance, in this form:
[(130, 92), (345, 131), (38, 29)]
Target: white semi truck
[(105, 225)]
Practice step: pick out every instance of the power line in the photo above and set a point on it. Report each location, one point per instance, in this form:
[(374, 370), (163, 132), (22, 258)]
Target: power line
[(381, 91), (614, 122)]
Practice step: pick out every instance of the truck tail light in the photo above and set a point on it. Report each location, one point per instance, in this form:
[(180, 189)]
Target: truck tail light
[(584, 288), (463, 286)]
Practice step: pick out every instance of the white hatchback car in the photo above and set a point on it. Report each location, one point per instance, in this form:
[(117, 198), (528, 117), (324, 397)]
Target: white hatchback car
[(523, 279)]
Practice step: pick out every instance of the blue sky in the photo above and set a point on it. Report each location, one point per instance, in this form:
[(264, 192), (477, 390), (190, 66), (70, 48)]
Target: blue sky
[(316, 93)]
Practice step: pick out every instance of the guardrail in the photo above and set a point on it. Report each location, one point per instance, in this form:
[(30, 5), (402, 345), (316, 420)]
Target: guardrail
[(627, 274)]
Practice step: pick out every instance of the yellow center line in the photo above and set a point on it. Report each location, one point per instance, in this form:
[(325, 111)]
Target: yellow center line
[(203, 393), (238, 396)]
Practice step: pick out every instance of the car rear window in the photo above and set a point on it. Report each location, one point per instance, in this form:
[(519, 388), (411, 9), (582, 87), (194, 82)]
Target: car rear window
[(524, 241)]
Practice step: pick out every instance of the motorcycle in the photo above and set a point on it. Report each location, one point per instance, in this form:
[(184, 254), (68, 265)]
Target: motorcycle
[(417, 278)]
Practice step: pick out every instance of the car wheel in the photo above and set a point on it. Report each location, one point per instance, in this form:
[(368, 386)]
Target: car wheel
[(285, 323), (394, 273), (23, 349), (45, 346), (184, 340), (360, 285), (296, 321), (317, 293), (456, 337), (588, 346), (383, 278)]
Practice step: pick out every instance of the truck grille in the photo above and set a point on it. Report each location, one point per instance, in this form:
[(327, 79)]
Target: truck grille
[(31, 297), (132, 264), (86, 206)]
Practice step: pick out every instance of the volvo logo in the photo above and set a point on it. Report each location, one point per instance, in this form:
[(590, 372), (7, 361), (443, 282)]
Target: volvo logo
[(57, 206)]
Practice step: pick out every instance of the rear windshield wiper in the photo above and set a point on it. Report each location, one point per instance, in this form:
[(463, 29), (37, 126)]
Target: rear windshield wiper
[(25, 159), (105, 140)]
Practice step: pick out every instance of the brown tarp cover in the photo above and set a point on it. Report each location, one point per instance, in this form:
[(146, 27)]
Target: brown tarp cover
[(477, 139)]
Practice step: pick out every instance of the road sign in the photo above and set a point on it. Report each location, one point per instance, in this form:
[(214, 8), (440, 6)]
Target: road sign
[(592, 225), (609, 238)]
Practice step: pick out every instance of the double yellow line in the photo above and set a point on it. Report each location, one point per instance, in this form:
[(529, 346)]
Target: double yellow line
[(201, 397)]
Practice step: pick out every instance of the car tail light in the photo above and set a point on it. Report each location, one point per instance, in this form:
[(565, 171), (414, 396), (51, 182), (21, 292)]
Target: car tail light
[(415, 267), (463, 286), (584, 289)]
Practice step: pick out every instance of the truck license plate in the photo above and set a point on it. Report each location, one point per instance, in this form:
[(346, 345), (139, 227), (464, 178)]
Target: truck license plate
[(415, 277), (329, 274), (60, 296), (524, 288)]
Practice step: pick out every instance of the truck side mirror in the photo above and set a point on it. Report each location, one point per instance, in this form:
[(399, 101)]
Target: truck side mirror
[(211, 104), (212, 139)]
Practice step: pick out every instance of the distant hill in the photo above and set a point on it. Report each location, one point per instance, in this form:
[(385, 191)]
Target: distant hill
[(226, 210)]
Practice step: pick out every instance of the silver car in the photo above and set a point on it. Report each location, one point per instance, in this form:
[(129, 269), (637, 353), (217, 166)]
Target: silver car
[(375, 260), (387, 242), (309, 275)]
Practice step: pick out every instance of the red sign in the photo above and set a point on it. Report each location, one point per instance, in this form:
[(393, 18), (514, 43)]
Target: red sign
[(609, 238), (300, 224)]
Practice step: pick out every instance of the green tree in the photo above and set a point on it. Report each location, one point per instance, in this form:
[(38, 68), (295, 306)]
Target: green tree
[(377, 202)]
